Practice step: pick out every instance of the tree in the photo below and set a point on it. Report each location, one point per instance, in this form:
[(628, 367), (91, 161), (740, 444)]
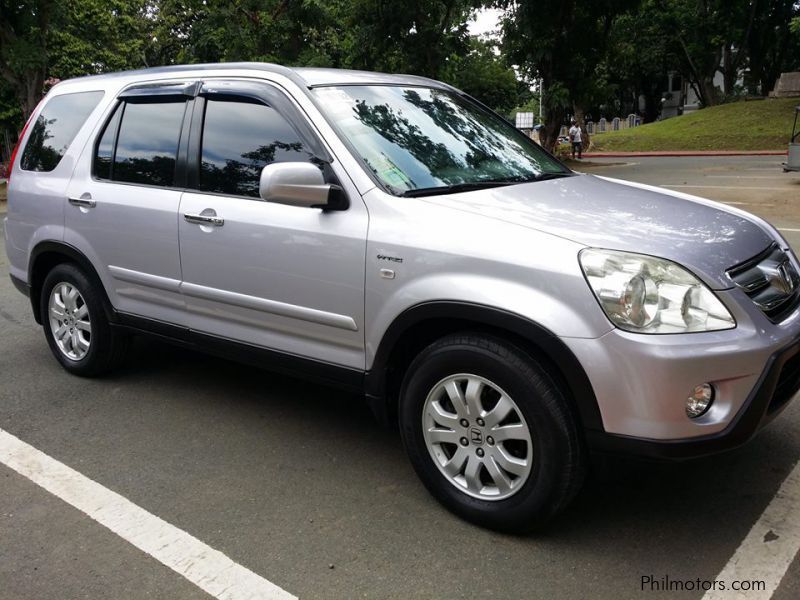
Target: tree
[(482, 72), (639, 57), (563, 50), (416, 37), (43, 39), (709, 36), (409, 36), (24, 40), (99, 36), (310, 33), (772, 45)]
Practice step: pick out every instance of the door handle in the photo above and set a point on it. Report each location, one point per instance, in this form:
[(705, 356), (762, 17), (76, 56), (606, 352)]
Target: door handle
[(82, 202), (204, 219)]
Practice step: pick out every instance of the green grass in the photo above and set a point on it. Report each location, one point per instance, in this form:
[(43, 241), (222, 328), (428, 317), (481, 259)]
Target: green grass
[(3, 194), (752, 125)]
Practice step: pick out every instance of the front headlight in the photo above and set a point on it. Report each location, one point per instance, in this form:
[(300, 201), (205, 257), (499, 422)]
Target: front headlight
[(645, 294)]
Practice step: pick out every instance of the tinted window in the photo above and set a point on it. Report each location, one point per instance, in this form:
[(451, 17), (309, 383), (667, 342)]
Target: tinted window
[(148, 143), (105, 147), (55, 128), (239, 138)]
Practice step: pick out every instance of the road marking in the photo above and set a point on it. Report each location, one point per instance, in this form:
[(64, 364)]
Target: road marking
[(770, 547), (208, 569), (787, 229), (728, 187), (743, 177)]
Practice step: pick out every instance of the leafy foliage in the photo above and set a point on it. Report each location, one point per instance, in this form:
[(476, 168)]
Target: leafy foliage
[(563, 50), (483, 73), (593, 56)]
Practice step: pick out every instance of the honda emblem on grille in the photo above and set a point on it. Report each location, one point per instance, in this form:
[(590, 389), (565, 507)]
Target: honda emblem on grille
[(781, 277)]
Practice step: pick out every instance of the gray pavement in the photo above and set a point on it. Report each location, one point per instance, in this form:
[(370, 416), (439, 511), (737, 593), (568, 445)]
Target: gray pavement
[(50, 550), (288, 478)]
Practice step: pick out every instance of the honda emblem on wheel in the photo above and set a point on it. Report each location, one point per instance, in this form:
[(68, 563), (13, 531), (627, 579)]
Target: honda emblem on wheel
[(476, 436)]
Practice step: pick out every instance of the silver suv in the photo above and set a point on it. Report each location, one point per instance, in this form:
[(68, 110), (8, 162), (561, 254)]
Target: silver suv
[(390, 235)]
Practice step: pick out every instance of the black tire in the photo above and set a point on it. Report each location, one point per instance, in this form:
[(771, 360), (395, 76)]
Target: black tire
[(559, 461), (107, 347)]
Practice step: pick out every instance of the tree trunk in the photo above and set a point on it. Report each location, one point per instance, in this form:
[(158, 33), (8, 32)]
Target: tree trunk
[(708, 92), (729, 70), (31, 92), (548, 135)]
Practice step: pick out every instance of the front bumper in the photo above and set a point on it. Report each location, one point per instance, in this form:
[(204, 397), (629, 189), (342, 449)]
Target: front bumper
[(641, 383), (776, 386)]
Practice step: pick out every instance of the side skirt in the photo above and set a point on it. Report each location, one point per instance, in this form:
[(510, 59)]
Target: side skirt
[(345, 378)]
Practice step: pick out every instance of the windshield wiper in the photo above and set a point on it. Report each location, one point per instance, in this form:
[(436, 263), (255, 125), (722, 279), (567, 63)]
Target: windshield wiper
[(479, 185), (546, 176), (455, 187)]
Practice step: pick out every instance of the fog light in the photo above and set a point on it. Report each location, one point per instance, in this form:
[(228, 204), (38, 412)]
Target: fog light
[(700, 401)]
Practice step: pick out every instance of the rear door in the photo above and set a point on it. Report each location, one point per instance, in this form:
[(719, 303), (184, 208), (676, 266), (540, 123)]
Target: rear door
[(122, 207), (280, 277)]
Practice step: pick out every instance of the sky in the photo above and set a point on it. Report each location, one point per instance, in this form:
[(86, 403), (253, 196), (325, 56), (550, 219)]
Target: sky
[(486, 20)]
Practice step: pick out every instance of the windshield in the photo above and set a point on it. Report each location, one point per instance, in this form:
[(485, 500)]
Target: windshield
[(415, 138)]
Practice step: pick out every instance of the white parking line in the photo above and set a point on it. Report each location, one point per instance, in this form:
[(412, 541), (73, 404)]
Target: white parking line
[(787, 229), (205, 567), (769, 548)]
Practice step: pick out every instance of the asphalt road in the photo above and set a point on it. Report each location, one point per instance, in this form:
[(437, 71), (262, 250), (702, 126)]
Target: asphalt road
[(298, 484)]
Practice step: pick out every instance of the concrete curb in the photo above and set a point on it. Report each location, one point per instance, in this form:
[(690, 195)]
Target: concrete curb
[(678, 153)]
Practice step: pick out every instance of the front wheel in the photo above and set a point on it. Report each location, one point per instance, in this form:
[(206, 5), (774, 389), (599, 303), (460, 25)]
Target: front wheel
[(489, 432)]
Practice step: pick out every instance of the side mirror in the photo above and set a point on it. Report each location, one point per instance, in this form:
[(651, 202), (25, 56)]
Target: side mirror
[(298, 184)]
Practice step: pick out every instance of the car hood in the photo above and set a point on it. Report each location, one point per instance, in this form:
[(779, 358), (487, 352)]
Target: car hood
[(704, 236)]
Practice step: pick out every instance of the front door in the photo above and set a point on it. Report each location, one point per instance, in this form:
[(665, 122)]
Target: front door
[(280, 277)]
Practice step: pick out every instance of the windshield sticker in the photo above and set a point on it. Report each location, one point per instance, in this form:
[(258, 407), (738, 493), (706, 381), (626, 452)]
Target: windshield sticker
[(394, 177), (391, 173)]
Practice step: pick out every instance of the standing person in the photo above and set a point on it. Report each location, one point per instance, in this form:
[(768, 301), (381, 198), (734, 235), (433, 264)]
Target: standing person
[(575, 140)]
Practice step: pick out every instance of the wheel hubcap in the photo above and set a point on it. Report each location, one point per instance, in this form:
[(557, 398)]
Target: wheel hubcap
[(69, 321), (477, 437)]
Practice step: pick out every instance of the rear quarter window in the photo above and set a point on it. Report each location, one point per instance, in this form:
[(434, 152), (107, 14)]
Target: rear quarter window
[(55, 128)]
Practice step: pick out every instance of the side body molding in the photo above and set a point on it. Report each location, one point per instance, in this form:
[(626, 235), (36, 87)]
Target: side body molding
[(271, 306), (208, 293)]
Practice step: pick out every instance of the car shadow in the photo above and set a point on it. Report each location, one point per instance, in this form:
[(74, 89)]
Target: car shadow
[(676, 503)]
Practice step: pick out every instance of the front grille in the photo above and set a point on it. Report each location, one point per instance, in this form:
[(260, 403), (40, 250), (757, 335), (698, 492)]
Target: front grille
[(771, 282)]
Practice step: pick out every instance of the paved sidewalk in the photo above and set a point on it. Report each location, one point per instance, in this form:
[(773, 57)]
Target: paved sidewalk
[(612, 154)]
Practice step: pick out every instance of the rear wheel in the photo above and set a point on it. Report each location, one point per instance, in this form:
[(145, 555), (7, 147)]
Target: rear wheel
[(489, 433), (75, 323)]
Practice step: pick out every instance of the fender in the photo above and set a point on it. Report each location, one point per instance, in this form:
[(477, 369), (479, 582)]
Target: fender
[(35, 279), (468, 314)]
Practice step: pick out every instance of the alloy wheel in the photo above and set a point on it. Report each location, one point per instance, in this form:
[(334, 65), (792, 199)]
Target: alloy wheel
[(70, 321), (477, 437)]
